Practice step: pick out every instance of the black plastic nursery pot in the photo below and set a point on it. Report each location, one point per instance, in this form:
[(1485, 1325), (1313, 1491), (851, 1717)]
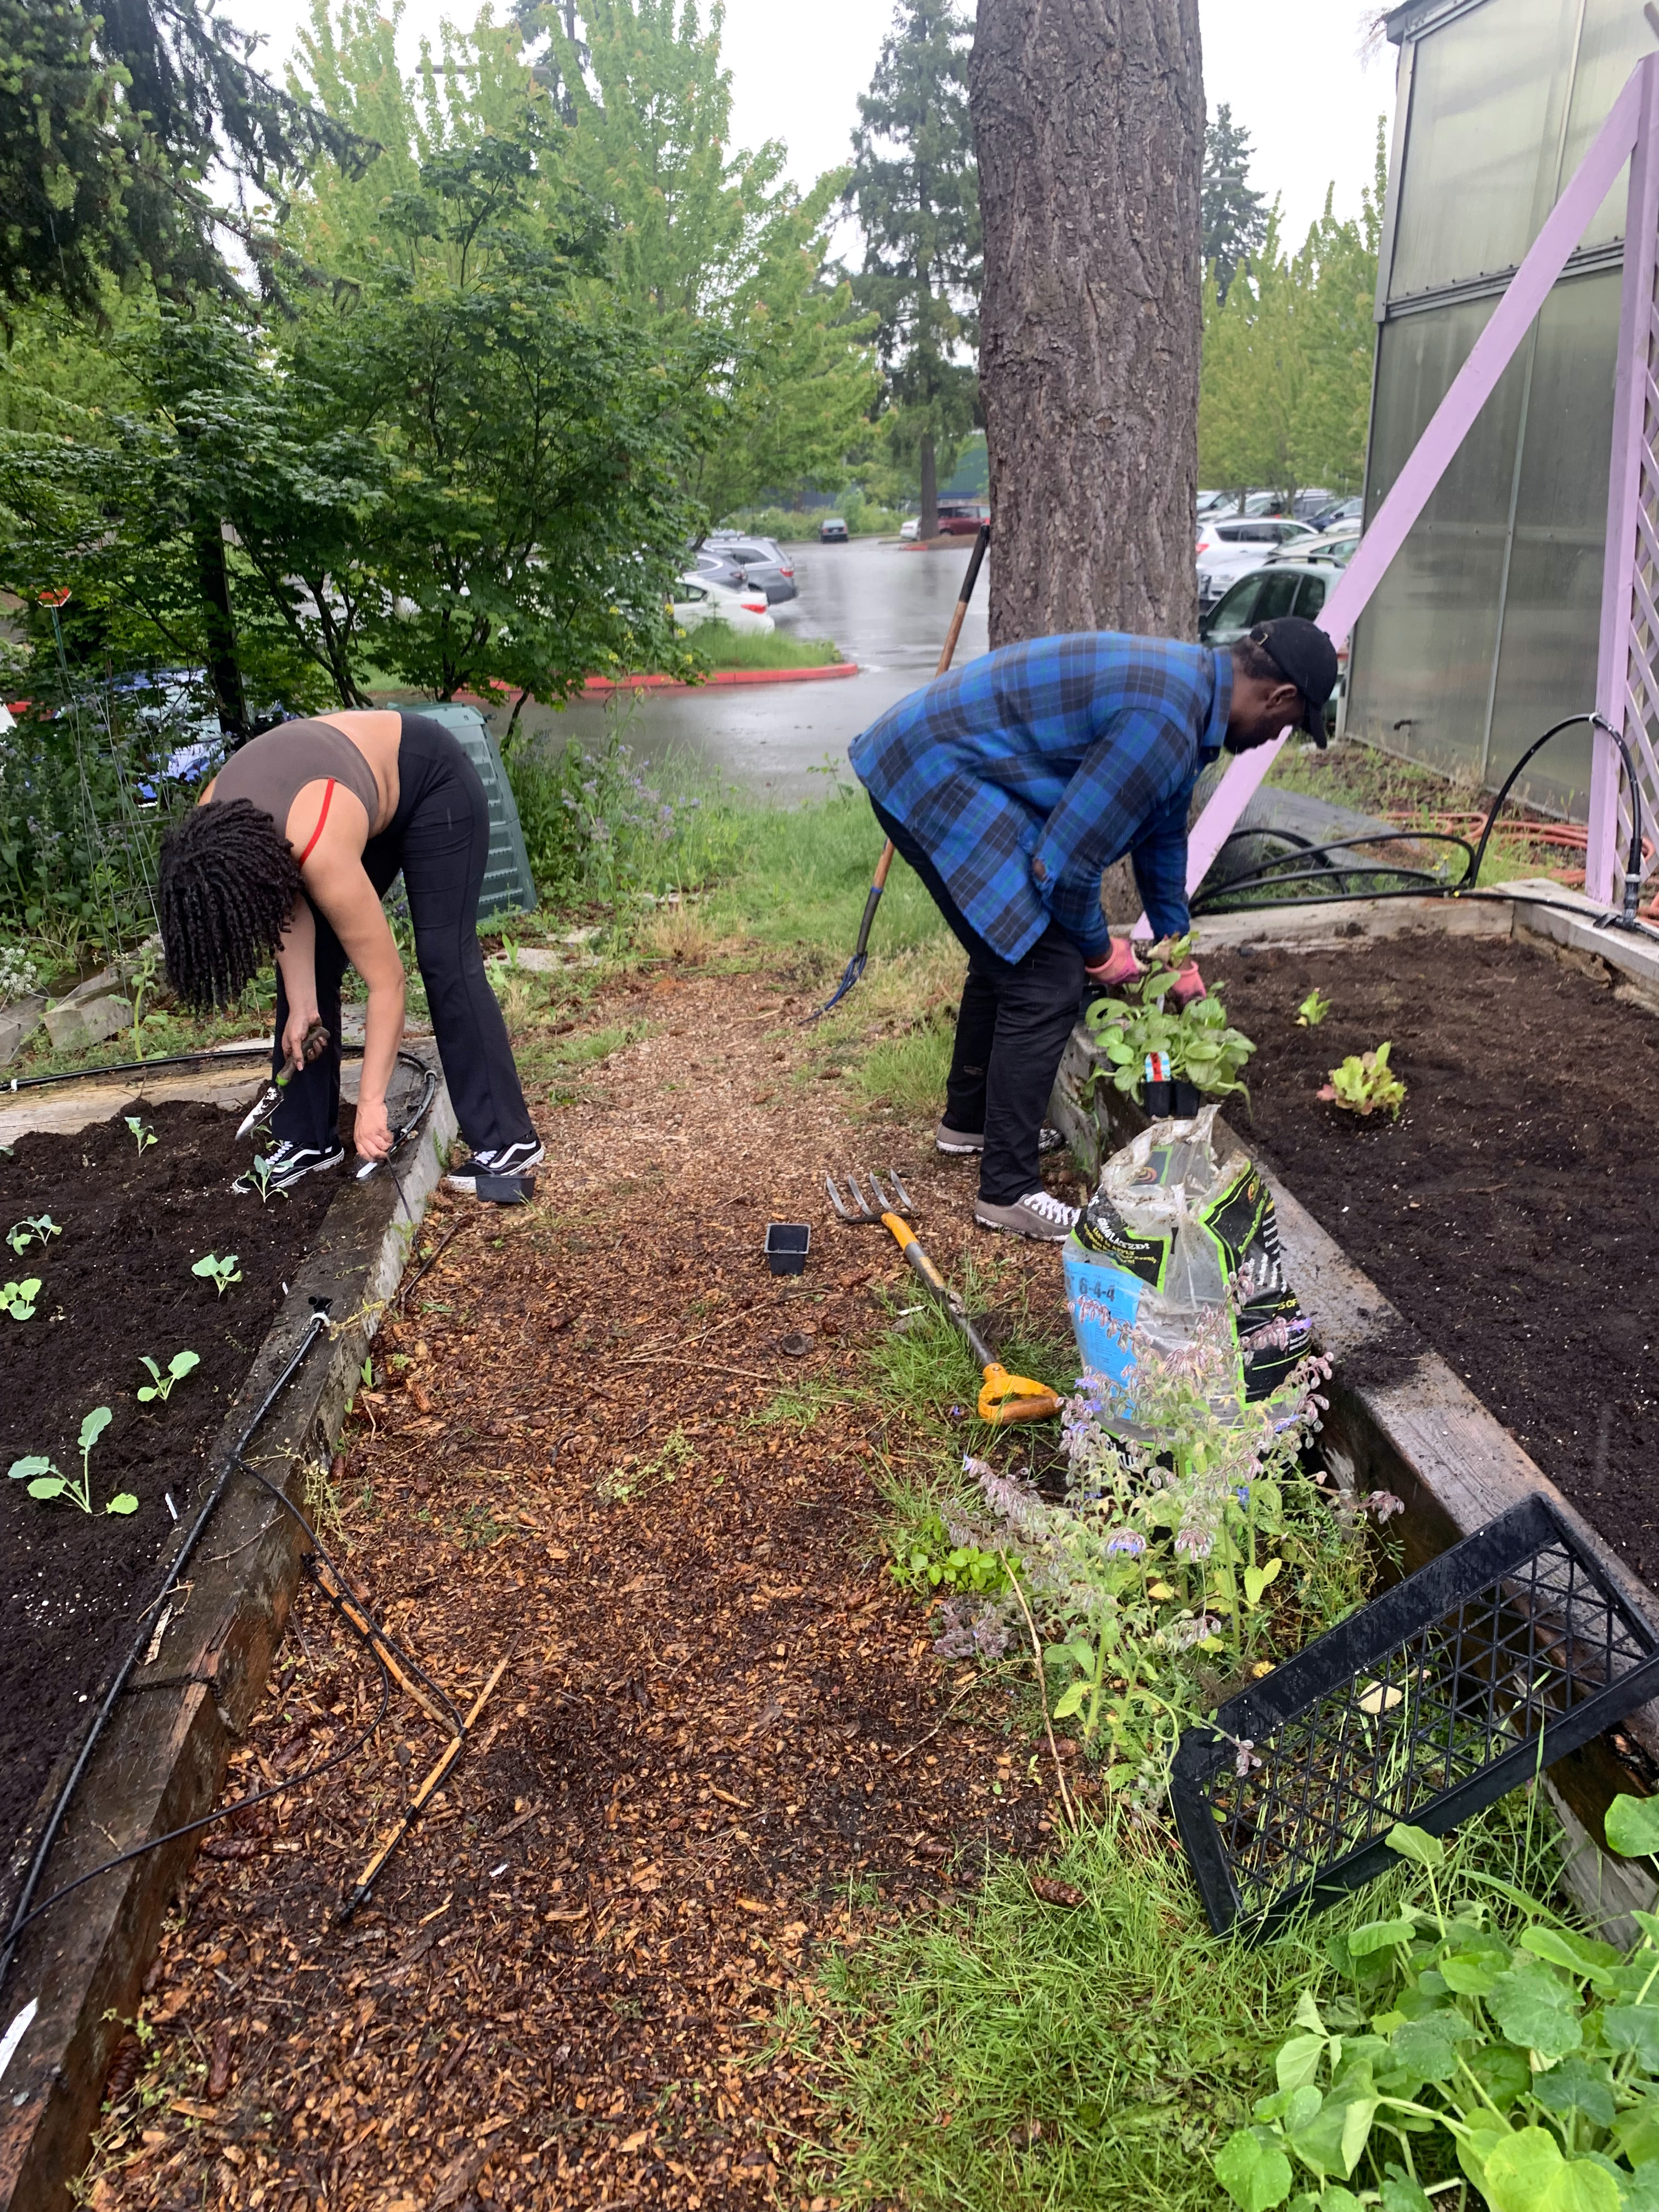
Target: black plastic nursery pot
[(787, 1243)]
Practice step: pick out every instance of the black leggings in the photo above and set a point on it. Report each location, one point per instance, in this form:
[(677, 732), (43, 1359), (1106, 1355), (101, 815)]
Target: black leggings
[(440, 837)]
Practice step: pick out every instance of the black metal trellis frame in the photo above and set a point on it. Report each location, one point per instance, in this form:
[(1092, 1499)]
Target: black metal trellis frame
[(1507, 1652)]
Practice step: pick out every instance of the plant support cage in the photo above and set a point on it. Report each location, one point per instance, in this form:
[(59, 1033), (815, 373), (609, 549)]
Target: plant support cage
[(1497, 1659)]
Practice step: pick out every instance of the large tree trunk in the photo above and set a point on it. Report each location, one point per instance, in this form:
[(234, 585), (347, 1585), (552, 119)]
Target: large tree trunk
[(928, 526), (1089, 121)]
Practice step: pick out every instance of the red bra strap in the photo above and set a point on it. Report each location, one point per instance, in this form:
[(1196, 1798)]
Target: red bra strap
[(327, 799)]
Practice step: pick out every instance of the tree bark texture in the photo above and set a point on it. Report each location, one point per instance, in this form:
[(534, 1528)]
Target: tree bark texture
[(1089, 122), (928, 525)]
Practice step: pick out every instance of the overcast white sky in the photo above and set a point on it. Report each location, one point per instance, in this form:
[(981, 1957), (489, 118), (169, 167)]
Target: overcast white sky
[(1290, 69)]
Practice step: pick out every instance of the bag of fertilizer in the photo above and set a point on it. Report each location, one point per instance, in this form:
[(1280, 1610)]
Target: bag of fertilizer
[(1170, 1237)]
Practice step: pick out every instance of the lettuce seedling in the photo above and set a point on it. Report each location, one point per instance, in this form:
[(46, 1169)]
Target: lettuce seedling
[(162, 1387), (18, 1299), (221, 1273), (142, 1135), (1366, 1082), (1201, 1046), (1313, 1010), (33, 1229), (45, 1481)]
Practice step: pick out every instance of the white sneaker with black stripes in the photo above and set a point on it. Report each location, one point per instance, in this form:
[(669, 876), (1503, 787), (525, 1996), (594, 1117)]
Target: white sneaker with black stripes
[(284, 1165), (521, 1158)]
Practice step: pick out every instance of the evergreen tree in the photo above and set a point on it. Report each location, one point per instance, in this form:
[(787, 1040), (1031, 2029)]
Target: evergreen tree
[(1235, 217), (113, 119), (914, 189)]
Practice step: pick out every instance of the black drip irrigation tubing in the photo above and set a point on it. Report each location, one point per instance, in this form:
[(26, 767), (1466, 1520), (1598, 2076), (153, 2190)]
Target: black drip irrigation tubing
[(1424, 885), (208, 1055), (27, 1911)]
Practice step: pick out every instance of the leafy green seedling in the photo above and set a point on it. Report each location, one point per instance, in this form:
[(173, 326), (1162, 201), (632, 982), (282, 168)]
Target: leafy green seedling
[(1313, 1010), (162, 1387), (368, 1372), (257, 1178), (18, 1299), (33, 1229), (1366, 1082), (221, 1273), (141, 1134), (45, 1482)]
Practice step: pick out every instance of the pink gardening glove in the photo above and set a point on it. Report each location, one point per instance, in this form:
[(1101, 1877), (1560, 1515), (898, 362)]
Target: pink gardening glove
[(1118, 967), (1189, 985)]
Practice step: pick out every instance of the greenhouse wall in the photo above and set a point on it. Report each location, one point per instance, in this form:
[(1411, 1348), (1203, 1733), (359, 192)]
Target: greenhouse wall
[(1484, 629)]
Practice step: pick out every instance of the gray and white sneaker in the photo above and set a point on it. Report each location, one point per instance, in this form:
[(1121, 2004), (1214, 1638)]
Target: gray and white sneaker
[(284, 1165), (958, 1144), (1038, 1214), (522, 1158)]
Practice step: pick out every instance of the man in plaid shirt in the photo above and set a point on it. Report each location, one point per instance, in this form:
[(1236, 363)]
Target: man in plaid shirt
[(1010, 786)]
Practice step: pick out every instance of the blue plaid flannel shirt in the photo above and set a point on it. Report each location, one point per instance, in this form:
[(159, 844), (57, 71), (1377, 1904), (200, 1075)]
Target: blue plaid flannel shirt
[(1024, 775)]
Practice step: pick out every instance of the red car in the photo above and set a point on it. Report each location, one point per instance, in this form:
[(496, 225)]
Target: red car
[(960, 518)]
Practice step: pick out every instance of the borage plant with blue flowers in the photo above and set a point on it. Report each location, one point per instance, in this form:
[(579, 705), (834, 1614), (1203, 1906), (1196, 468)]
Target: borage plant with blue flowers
[(1191, 1551)]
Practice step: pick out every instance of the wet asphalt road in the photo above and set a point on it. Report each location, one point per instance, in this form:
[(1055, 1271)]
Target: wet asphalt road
[(887, 608)]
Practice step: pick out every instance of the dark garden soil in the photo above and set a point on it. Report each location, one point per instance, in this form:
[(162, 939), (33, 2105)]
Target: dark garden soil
[(117, 1283), (721, 1741), (1512, 1212)]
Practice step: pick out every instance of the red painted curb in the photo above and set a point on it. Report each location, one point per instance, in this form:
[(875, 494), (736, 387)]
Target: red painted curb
[(598, 686)]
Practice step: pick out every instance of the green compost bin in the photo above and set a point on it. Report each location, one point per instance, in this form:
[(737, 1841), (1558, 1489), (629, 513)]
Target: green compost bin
[(508, 885)]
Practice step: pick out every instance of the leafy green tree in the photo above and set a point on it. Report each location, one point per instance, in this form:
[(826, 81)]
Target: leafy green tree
[(1284, 395), (714, 242), (113, 119), (1235, 218), (914, 189)]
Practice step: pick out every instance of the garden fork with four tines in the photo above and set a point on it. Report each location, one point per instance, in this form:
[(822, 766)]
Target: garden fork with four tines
[(1003, 1397)]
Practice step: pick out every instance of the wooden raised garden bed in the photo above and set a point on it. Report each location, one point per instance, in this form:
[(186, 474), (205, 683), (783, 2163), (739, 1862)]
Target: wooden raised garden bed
[(117, 1282), (1480, 1271)]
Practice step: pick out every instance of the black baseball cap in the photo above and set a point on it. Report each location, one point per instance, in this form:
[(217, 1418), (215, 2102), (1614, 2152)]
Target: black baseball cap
[(1304, 656)]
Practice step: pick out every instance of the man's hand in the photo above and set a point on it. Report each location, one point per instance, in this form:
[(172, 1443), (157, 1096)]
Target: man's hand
[(1118, 967), (372, 1133), (1189, 985)]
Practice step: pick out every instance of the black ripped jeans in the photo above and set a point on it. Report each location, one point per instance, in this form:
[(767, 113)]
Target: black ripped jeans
[(1012, 1028), (440, 837)]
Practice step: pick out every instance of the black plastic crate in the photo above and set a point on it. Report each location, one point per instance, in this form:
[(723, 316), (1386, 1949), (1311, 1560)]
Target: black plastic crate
[(1500, 1656)]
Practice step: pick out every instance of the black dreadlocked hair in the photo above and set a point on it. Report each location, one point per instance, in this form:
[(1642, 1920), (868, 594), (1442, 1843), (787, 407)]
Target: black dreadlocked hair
[(228, 882)]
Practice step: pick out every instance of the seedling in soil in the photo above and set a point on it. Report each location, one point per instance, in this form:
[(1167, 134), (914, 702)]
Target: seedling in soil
[(141, 1134), (1313, 1010), (18, 1299), (1366, 1082), (45, 1481), (162, 1387), (34, 1229), (257, 1178), (221, 1273)]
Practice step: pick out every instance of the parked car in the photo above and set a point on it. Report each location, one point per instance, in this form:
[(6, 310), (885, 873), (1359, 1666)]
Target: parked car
[(1227, 550), (1213, 504), (832, 531), (1337, 546), (712, 563), (1340, 511), (1308, 505), (910, 530), (1290, 587), (700, 600), (762, 560), (960, 518)]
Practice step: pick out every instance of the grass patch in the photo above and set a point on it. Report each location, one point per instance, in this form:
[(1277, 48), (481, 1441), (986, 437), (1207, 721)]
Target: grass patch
[(1007, 2055), (722, 648), (907, 1073)]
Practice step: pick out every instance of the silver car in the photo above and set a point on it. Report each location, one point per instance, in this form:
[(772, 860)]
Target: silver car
[(1290, 587), (762, 560)]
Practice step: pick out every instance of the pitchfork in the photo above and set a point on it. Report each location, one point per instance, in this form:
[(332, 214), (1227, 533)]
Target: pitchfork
[(1003, 1397)]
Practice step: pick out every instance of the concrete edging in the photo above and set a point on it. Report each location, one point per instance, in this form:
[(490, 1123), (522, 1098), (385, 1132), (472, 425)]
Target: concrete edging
[(162, 1761), (1400, 1418)]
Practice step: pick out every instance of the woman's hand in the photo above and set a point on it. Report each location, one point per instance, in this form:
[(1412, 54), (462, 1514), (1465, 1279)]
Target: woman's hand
[(301, 1019), (372, 1134)]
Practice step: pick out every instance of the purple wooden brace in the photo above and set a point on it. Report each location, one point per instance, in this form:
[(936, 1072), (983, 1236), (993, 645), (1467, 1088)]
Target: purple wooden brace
[(1628, 687)]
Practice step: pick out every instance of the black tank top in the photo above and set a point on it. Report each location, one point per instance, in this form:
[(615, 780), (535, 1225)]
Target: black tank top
[(271, 769)]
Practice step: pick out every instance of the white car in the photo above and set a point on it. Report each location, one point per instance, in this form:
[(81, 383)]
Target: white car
[(700, 600), (910, 530), (1227, 550)]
